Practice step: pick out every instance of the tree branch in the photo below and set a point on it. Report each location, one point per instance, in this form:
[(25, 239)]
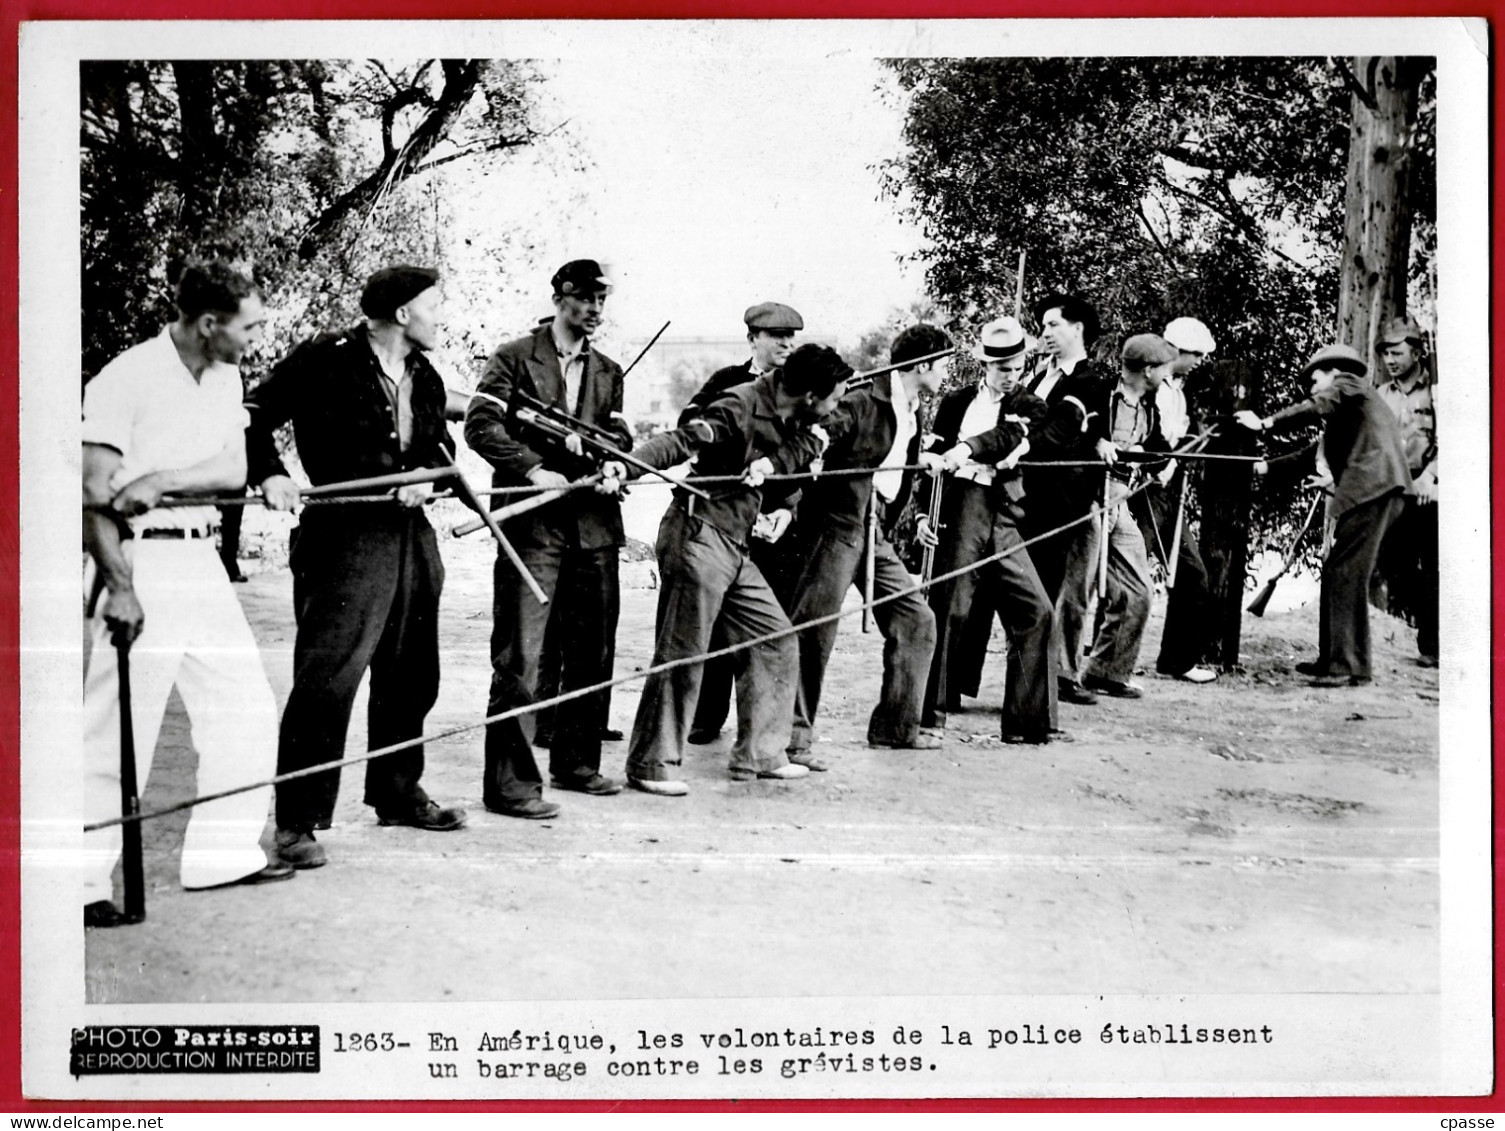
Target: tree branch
[(491, 147), (1363, 93)]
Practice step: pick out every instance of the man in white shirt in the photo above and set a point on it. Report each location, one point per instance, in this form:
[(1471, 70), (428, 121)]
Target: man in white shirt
[(165, 417)]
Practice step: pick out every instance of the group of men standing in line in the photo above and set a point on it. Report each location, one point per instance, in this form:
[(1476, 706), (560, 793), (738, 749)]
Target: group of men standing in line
[(740, 562)]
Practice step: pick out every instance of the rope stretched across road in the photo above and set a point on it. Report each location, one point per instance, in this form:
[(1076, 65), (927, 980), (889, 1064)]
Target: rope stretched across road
[(580, 693)]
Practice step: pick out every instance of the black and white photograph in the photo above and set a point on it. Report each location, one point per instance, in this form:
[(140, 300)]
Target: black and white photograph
[(755, 559)]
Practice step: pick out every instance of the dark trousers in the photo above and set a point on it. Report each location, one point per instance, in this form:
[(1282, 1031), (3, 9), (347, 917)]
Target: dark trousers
[(834, 559), (550, 665), (1343, 636), (705, 576), (975, 530), (1190, 629), (366, 595), (964, 675), (715, 702), (1409, 564), (230, 519), (584, 603)]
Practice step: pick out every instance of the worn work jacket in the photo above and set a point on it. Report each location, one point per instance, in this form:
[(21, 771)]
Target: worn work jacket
[(745, 426), (862, 429), (583, 519), (331, 388), (1057, 493), (1362, 441)]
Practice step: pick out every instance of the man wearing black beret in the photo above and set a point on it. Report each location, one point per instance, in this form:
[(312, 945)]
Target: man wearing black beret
[(366, 578), (570, 546)]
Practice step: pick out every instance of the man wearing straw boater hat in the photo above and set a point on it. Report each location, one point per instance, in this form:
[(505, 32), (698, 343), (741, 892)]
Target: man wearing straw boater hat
[(363, 402), (984, 430), (165, 417), (1370, 481)]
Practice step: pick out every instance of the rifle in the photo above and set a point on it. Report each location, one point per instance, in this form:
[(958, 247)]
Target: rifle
[(870, 561), (1262, 600), (645, 349), (473, 501), (927, 559), (865, 378), (130, 801), (522, 507), (559, 424)]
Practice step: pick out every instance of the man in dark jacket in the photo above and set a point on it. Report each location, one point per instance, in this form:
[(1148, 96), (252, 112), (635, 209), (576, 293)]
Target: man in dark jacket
[(873, 427), (771, 327), (366, 578), (570, 546), (1363, 447), (754, 431), (984, 431)]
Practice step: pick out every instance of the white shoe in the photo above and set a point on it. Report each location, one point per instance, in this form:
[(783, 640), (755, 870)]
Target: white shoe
[(787, 772), (1198, 675), (660, 788)]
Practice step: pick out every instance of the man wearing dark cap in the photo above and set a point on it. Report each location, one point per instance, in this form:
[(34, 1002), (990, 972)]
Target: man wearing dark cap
[(366, 578), (570, 546), (753, 430), (1408, 560), (771, 327), (1068, 326), (984, 430), (874, 427), (1125, 421), (1370, 479)]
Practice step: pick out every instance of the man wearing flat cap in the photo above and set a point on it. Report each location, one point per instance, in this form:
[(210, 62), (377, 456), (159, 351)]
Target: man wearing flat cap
[(1370, 479), (1408, 560), (570, 547), (1124, 424), (982, 431), (771, 327), (366, 578)]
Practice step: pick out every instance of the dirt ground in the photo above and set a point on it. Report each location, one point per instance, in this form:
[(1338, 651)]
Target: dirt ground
[(1249, 836)]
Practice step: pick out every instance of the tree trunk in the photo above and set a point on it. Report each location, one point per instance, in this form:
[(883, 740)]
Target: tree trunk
[(1377, 219), (198, 144), (1225, 497)]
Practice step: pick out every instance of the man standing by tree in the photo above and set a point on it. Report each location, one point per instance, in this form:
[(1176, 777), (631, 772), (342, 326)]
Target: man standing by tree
[(874, 427), (1409, 559), (771, 327), (570, 546), (1364, 451), (366, 578), (985, 430), (1068, 325), (166, 417)]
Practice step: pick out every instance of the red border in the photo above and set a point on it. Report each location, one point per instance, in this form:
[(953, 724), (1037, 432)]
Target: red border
[(16, 11)]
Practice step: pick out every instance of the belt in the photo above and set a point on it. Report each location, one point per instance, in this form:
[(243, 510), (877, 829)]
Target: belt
[(179, 532)]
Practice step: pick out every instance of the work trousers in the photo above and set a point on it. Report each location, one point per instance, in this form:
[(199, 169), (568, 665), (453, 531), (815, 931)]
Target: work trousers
[(704, 575), (585, 602), (715, 701), (1190, 626), (1409, 563), (194, 637), (1343, 636), (1126, 608), (366, 595), (976, 530), (833, 559)]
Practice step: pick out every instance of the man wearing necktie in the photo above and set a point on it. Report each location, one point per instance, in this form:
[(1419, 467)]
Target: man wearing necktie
[(570, 546)]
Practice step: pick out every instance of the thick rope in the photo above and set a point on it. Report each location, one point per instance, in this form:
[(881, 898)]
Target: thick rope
[(582, 692)]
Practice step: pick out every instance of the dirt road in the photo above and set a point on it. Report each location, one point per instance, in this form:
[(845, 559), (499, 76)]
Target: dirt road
[(1252, 835)]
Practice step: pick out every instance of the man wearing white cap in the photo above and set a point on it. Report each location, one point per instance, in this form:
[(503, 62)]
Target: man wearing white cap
[(1189, 621), (983, 431), (1367, 458)]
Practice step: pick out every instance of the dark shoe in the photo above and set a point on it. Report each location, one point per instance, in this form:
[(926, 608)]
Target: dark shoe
[(1334, 680), (1425, 661), (530, 809), (104, 914), (1070, 691), (611, 734), (1113, 688), (275, 871), (807, 759), (704, 736), (599, 785), (299, 850), (922, 741), (429, 815), (238, 577), (1031, 738), (1311, 667), (659, 788)]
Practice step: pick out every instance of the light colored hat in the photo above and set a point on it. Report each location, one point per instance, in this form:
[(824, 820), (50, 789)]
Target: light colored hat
[(1190, 335), (1000, 338)]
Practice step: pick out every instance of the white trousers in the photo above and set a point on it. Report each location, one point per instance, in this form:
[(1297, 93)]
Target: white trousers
[(195, 636)]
